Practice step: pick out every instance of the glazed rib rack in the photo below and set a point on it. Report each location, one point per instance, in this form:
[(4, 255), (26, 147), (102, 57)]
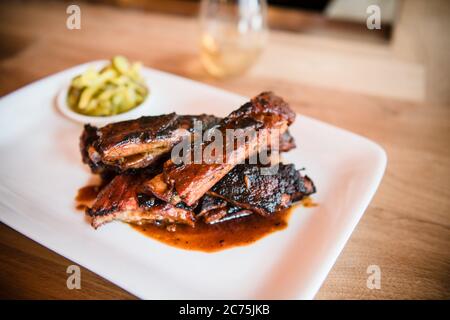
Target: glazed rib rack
[(147, 186)]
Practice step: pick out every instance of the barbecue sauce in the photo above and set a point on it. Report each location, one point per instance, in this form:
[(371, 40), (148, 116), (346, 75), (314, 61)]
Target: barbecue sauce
[(205, 237), (216, 237), (86, 196)]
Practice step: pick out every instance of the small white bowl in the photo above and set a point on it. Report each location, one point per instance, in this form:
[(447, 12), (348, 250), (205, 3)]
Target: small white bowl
[(64, 108)]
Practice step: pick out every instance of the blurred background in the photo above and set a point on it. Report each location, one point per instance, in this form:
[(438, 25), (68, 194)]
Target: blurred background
[(333, 17), (413, 31), (406, 58)]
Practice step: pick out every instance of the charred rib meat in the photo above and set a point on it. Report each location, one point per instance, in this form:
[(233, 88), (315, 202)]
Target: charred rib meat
[(145, 187), (120, 200), (264, 114), (214, 210), (243, 191), (142, 142), (247, 186), (136, 143)]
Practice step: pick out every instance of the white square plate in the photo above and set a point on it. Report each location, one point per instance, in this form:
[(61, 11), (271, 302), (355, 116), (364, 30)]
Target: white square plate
[(41, 171)]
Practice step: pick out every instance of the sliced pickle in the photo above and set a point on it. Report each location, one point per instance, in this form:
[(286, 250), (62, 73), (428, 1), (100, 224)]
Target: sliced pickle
[(116, 88)]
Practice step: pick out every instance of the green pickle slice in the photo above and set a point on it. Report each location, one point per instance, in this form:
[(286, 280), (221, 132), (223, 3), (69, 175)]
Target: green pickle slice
[(115, 89)]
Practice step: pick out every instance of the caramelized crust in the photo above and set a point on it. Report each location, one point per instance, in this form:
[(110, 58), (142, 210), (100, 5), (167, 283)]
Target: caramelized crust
[(145, 187), (138, 143), (266, 114), (120, 200), (247, 186)]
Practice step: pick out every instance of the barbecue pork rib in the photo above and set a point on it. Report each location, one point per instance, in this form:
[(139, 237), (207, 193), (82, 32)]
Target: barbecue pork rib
[(248, 187), (243, 191), (266, 114), (120, 200), (138, 143), (214, 210)]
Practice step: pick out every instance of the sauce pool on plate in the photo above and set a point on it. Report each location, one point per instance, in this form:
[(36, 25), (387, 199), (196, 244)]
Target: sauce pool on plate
[(86, 196), (215, 237), (205, 237)]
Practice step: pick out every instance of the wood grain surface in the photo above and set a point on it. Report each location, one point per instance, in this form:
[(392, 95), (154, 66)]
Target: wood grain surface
[(366, 88)]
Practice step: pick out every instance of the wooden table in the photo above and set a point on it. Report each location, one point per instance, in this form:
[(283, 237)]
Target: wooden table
[(362, 87)]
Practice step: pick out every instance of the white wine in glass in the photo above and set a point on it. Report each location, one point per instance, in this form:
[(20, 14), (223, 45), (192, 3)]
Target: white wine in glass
[(233, 34)]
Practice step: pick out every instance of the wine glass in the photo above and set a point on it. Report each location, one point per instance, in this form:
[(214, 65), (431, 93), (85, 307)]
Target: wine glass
[(233, 34)]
